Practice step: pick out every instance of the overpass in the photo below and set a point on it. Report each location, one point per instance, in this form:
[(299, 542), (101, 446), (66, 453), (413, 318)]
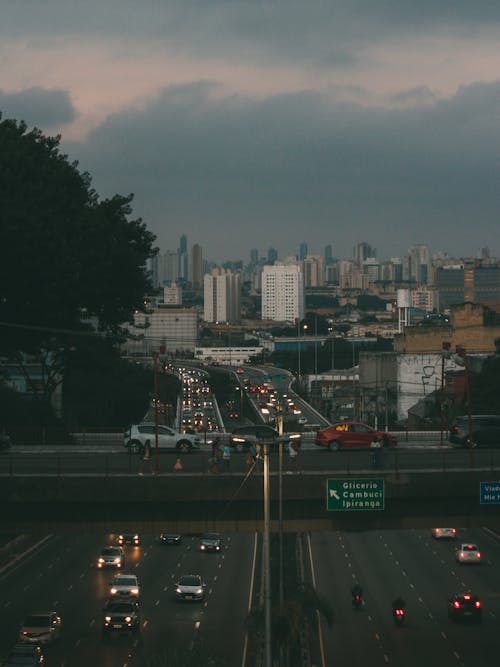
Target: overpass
[(193, 503)]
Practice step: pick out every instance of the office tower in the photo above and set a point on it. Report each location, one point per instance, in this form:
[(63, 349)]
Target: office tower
[(254, 256), (196, 266), (303, 251), (314, 271), (362, 251), (272, 255), (183, 243), (397, 265), (371, 268), (328, 254), (282, 293), (222, 296), (182, 260), (420, 264)]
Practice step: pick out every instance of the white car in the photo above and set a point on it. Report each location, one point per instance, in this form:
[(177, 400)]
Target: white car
[(468, 553), (134, 439), (111, 557), (190, 587), (125, 585), (444, 533)]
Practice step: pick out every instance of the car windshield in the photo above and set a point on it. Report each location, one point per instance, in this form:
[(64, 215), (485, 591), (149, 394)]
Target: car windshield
[(37, 620), (124, 581), (22, 659), (110, 551), (190, 580), (120, 607), (469, 547), (211, 536)]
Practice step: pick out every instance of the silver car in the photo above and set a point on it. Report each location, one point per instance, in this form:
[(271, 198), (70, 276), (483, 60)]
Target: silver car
[(41, 628), (125, 585), (190, 587), (468, 553), (111, 557), (134, 439)]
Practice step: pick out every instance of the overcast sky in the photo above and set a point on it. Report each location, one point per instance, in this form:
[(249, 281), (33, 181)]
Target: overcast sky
[(255, 123)]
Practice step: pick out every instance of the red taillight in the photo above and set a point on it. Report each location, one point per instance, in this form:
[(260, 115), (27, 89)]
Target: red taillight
[(400, 612), (478, 604), (478, 554), (455, 429), (454, 531), (456, 604), (466, 597)]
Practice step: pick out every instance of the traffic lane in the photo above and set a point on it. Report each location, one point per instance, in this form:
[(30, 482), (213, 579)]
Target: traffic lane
[(435, 578), (371, 634)]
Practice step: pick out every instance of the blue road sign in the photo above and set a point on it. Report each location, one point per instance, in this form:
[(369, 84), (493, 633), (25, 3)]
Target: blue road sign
[(489, 493)]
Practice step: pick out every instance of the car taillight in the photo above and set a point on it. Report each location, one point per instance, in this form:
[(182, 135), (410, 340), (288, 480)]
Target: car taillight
[(478, 604), (455, 429), (456, 604), (478, 554), (400, 612)]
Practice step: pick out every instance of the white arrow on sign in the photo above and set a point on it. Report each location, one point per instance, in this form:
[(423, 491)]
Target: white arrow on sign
[(333, 492)]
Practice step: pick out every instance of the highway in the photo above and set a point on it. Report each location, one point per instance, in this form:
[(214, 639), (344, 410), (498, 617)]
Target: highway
[(409, 563)]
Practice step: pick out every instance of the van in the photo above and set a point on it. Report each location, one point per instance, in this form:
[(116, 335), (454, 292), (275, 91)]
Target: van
[(485, 431)]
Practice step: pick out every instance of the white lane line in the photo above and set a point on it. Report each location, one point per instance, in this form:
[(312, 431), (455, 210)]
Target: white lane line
[(386, 657), (313, 577), (92, 623), (197, 625), (7, 604), (157, 603), (443, 635), (250, 598), (457, 656)]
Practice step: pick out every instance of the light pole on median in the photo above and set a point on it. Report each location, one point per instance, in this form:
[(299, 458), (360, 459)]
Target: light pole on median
[(155, 399)]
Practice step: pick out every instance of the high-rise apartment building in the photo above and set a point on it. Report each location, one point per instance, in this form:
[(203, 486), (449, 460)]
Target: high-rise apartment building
[(303, 252), (196, 266), (272, 255), (172, 295), (420, 264), (314, 271), (328, 254), (254, 256), (282, 293), (222, 296), (182, 260), (362, 251)]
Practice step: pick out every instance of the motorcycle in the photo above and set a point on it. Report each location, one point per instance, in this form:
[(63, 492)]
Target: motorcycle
[(357, 601), (398, 614)]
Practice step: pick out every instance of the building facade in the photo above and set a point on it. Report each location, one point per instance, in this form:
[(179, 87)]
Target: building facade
[(282, 293), (222, 296)]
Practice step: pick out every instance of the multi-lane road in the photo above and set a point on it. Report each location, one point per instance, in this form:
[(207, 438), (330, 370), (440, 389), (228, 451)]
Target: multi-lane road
[(62, 576)]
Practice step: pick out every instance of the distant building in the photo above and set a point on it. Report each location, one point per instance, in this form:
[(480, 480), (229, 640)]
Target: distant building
[(468, 282), (222, 296), (423, 298), (172, 296), (420, 265), (176, 329), (303, 251), (313, 269), (282, 293), (196, 266)]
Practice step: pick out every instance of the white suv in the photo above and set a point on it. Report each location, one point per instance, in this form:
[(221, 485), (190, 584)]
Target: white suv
[(168, 439)]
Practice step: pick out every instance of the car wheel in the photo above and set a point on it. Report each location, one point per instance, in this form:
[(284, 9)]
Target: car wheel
[(184, 446), (135, 447), (334, 445)]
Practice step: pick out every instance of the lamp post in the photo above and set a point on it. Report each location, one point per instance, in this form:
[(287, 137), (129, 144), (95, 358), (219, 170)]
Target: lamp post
[(462, 354), (315, 402), (155, 399), (445, 353), (267, 560)]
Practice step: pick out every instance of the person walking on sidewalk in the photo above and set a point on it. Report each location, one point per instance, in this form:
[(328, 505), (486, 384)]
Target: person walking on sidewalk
[(178, 467), (146, 458), (294, 462), (226, 458)]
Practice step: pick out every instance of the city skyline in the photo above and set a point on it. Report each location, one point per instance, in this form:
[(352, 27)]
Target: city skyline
[(256, 124)]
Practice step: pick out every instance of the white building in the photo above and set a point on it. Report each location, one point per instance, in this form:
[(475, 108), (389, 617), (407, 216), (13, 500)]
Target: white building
[(222, 296), (172, 296), (282, 293)]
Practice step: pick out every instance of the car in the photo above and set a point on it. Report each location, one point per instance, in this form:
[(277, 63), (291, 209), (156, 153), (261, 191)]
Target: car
[(40, 628), (465, 606), (468, 553), (125, 585), (243, 437), (190, 587), (170, 538), (444, 533), (211, 542), (121, 616), (111, 557), (485, 430), (134, 438), (351, 435), (24, 655), (129, 538)]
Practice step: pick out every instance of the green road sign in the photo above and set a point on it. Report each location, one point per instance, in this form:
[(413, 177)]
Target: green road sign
[(354, 494)]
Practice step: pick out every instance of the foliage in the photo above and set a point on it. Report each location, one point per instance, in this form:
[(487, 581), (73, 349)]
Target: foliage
[(83, 260)]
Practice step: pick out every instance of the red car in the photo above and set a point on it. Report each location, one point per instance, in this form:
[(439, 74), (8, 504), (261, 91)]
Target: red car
[(351, 435)]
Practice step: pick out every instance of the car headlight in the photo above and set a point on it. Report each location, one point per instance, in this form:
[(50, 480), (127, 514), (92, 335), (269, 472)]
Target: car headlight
[(202, 547), (114, 591), (178, 590), (134, 591), (107, 619), (128, 619), (101, 560), (199, 591), (217, 548), (116, 561)]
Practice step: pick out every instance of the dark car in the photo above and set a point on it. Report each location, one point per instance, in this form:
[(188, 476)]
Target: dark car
[(121, 616), (243, 437), (24, 655), (485, 431), (465, 606), (352, 435), (170, 538), (134, 539), (211, 542)]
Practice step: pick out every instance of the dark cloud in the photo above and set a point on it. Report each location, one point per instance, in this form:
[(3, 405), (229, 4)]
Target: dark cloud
[(236, 172), (38, 107)]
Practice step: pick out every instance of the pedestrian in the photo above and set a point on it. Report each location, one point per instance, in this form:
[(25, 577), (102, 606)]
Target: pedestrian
[(178, 465), (376, 447), (293, 456), (146, 458), (226, 458)]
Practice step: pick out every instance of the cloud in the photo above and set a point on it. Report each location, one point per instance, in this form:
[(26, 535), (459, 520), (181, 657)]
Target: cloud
[(44, 109), (237, 172)]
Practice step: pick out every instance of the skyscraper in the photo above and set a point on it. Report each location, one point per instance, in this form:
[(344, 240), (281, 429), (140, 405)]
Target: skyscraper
[(272, 255), (328, 254), (303, 251), (182, 260), (282, 293), (196, 266), (222, 296)]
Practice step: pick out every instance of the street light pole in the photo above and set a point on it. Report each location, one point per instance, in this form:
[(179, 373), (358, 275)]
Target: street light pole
[(315, 402), (155, 399), (267, 560)]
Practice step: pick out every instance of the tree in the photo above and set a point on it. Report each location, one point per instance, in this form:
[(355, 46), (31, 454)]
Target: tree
[(68, 258)]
